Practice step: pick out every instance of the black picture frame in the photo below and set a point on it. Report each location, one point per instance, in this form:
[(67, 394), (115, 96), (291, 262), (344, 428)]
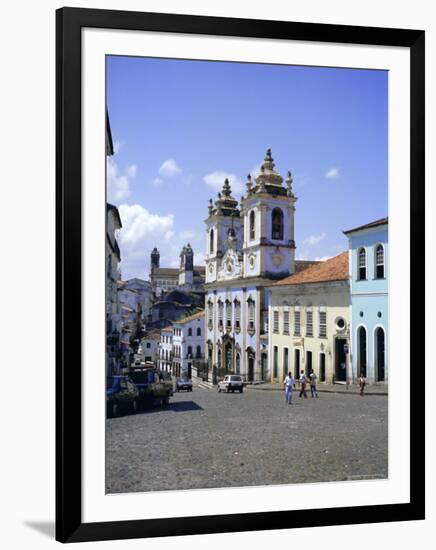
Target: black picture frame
[(69, 22)]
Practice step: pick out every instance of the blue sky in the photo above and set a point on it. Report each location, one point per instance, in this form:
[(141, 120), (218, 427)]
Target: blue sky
[(180, 127)]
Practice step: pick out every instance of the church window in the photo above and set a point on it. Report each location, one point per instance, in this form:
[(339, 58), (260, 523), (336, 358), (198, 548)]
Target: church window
[(252, 225), (220, 314), (228, 315), (251, 314), (211, 241), (277, 224), (237, 314), (379, 262), (210, 315), (362, 264), (275, 322)]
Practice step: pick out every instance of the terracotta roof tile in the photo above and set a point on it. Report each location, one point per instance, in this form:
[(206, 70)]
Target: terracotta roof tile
[(334, 269)]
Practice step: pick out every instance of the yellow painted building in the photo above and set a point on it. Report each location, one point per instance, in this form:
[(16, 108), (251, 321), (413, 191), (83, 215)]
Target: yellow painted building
[(308, 323)]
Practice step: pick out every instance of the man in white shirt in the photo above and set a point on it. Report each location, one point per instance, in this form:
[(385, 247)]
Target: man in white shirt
[(289, 386)]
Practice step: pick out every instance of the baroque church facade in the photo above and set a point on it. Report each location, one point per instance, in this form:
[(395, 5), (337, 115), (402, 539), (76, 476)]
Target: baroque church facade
[(250, 245)]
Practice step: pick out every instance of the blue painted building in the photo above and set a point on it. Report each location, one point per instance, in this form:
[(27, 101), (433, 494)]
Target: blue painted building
[(369, 286)]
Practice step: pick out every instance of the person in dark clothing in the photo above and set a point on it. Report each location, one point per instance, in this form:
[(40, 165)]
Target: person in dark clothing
[(303, 382)]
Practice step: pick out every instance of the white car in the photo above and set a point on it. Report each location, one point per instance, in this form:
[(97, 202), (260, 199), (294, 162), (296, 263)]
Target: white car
[(231, 383)]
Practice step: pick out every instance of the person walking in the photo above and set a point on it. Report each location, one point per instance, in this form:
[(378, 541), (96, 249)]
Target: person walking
[(303, 385), (362, 384), (289, 386), (313, 378)]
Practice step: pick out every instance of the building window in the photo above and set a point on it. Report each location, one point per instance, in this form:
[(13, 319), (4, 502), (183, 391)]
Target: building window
[(379, 262), (322, 323), (211, 241), (237, 314), (252, 225), (228, 315), (286, 321), (190, 351), (198, 353), (189, 331), (309, 322), (275, 322), (220, 314), (198, 331), (251, 314), (277, 224), (148, 345), (297, 322), (362, 264)]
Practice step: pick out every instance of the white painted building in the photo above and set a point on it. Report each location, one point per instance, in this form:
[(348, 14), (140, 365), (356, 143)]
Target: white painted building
[(113, 312), (188, 343), (309, 323), (150, 346), (248, 245), (166, 349)]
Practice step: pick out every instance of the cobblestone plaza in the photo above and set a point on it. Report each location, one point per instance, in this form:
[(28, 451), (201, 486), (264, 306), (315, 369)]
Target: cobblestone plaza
[(207, 439)]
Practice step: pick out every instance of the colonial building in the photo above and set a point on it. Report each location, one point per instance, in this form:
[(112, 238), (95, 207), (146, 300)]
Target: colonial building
[(248, 246), (143, 295), (309, 323), (113, 312), (187, 277), (166, 349), (150, 346), (369, 274), (188, 344)]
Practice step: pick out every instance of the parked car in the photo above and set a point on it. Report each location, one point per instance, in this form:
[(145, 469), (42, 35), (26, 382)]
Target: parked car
[(152, 388), (122, 395), (231, 383), (183, 383)]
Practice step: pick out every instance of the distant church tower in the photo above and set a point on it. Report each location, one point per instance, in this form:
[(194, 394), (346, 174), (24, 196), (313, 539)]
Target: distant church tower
[(155, 259), (186, 272)]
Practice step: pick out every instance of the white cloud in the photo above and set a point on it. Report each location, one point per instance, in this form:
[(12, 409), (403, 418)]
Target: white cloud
[(312, 240), (143, 230), (186, 235), (255, 171), (131, 171), (322, 258), (332, 173), (157, 181), (216, 181), (169, 168), (118, 185)]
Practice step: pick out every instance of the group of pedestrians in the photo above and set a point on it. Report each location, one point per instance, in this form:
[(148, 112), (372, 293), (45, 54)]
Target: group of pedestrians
[(290, 384)]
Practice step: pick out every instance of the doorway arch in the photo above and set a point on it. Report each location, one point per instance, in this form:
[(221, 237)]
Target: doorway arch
[(380, 353), (362, 351)]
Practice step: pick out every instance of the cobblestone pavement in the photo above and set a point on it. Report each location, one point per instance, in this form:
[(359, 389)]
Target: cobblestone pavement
[(208, 439)]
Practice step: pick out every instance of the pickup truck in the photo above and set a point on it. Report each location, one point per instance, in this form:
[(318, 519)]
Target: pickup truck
[(151, 386)]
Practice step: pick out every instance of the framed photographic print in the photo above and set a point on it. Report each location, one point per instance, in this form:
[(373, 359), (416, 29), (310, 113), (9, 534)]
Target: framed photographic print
[(240, 235)]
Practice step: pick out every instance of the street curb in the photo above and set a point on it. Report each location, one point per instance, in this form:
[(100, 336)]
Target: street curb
[(341, 392)]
